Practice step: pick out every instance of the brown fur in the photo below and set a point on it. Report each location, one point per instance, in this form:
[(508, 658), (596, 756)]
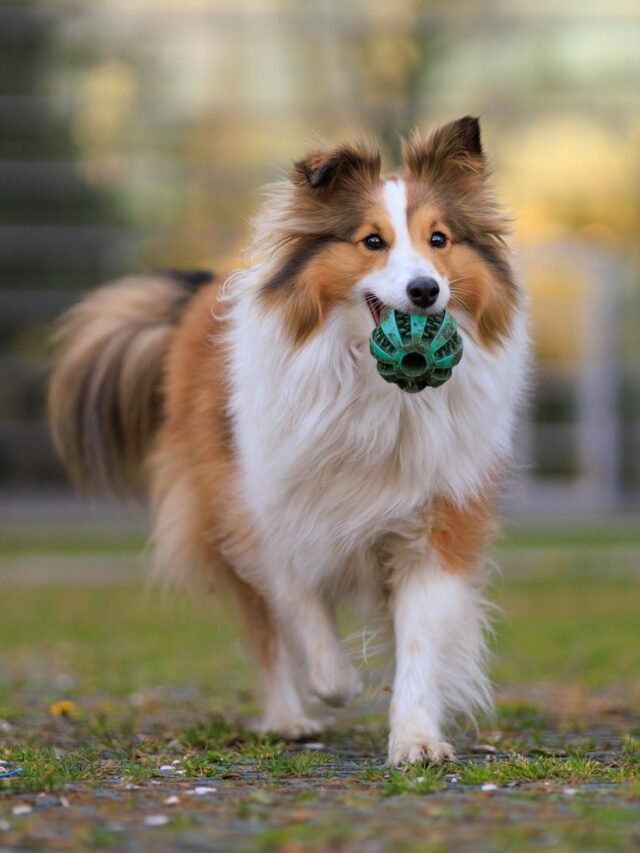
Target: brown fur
[(200, 526), (329, 275), (449, 191), (130, 390), (336, 202), (460, 534), (318, 260), (104, 398)]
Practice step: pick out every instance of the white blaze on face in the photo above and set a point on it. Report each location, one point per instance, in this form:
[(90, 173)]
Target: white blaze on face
[(405, 262)]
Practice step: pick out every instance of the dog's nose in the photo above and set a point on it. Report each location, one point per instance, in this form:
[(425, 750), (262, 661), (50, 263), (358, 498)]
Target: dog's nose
[(423, 292)]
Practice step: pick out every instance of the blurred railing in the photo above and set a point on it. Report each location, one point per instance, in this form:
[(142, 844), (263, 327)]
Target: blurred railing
[(177, 186)]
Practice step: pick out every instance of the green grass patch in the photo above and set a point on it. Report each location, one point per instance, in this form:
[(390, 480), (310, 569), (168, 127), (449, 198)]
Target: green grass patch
[(414, 780), (61, 545), (573, 537), (118, 641), (47, 769), (572, 770), (514, 770), (576, 630), (285, 763)]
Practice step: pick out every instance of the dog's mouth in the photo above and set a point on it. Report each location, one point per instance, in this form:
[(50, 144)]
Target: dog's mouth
[(376, 307)]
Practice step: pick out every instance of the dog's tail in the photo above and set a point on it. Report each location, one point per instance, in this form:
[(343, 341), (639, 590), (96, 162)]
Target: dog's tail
[(106, 395)]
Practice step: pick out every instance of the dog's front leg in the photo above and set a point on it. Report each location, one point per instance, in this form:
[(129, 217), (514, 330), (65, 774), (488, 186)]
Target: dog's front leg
[(438, 622)]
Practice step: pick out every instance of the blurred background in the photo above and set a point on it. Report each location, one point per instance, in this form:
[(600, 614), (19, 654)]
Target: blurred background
[(135, 134)]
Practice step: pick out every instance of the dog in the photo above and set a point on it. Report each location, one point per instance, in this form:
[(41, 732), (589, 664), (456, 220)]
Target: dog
[(280, 466)]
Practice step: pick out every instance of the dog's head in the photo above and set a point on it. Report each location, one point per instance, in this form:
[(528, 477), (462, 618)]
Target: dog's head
[(428, 237)]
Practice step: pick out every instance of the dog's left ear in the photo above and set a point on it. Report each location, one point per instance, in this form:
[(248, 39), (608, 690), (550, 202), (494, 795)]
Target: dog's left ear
[(455, 145), (324, 170)]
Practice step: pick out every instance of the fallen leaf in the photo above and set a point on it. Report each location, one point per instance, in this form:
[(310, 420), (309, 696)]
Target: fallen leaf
[(64, 708)]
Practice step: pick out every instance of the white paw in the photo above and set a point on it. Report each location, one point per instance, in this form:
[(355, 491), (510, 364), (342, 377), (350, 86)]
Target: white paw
[(419, 750), (335, 682), (290, 727)]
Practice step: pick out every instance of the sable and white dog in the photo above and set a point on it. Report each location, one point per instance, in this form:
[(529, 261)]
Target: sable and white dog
[(280, 465)]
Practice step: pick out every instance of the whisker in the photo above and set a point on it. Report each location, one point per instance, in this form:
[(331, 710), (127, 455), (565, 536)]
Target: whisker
[(459, 297), (461, 278)]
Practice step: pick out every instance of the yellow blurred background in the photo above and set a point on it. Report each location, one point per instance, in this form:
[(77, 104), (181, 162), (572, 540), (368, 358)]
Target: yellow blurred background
[(136, 134)]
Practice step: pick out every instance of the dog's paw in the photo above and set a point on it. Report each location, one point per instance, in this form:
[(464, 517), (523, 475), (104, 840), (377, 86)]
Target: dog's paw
[(335, 682), (419, 750), (290, 727)]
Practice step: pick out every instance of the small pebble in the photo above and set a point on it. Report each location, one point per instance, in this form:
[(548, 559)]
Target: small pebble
[(64, 802), (167, 768), (156, 820), (64, 681), (489, 787), (202, 791), (5, 826), (552, 751), (180, 772), (20, 810), (570, 792), (314, 745), (6, 774), (172, 800), (5, 726), (484, 749), (176, 761)]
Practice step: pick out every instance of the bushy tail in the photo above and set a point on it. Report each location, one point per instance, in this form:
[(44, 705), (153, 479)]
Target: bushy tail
[(105, 395)]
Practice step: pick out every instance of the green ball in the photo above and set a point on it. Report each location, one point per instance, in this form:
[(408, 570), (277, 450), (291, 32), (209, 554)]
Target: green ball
[(416, 350)]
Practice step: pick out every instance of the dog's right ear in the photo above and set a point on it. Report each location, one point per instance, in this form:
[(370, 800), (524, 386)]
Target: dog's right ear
[(324, 170)]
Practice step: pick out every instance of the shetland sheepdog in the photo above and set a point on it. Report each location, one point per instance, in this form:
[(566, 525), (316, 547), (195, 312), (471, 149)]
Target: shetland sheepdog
[(280, 466)]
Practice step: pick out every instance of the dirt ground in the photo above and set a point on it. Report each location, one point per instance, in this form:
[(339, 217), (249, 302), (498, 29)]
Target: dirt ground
[(129, 720)]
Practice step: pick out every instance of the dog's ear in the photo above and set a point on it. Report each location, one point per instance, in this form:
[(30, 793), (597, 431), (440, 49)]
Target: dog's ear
[(324, 170), (454, 146)]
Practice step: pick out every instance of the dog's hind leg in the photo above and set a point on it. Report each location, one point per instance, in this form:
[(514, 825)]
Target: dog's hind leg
[(186, 556)]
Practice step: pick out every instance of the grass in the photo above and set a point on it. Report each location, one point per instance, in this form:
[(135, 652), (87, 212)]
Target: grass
[(164, 683), (577, 630), (125, 640), (62, 543), (46, 769)]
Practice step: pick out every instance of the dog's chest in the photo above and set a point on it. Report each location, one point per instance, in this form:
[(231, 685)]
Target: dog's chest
[(348, 467), (332, 457)]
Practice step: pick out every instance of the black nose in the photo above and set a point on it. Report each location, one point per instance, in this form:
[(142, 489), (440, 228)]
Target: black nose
[(423, 292)]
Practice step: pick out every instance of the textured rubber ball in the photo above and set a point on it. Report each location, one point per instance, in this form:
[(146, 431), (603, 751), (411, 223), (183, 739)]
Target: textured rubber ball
[(416, 351)]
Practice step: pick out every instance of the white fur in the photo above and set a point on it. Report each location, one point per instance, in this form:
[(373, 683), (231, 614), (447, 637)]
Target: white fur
[(284, 710), (405, 263), (337, 467), (439, 625)]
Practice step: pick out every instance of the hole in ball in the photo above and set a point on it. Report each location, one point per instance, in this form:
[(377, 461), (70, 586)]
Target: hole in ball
[(413, 364)]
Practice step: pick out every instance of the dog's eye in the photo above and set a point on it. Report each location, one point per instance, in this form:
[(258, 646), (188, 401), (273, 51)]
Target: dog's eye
[(374, 242), (438, 240)]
